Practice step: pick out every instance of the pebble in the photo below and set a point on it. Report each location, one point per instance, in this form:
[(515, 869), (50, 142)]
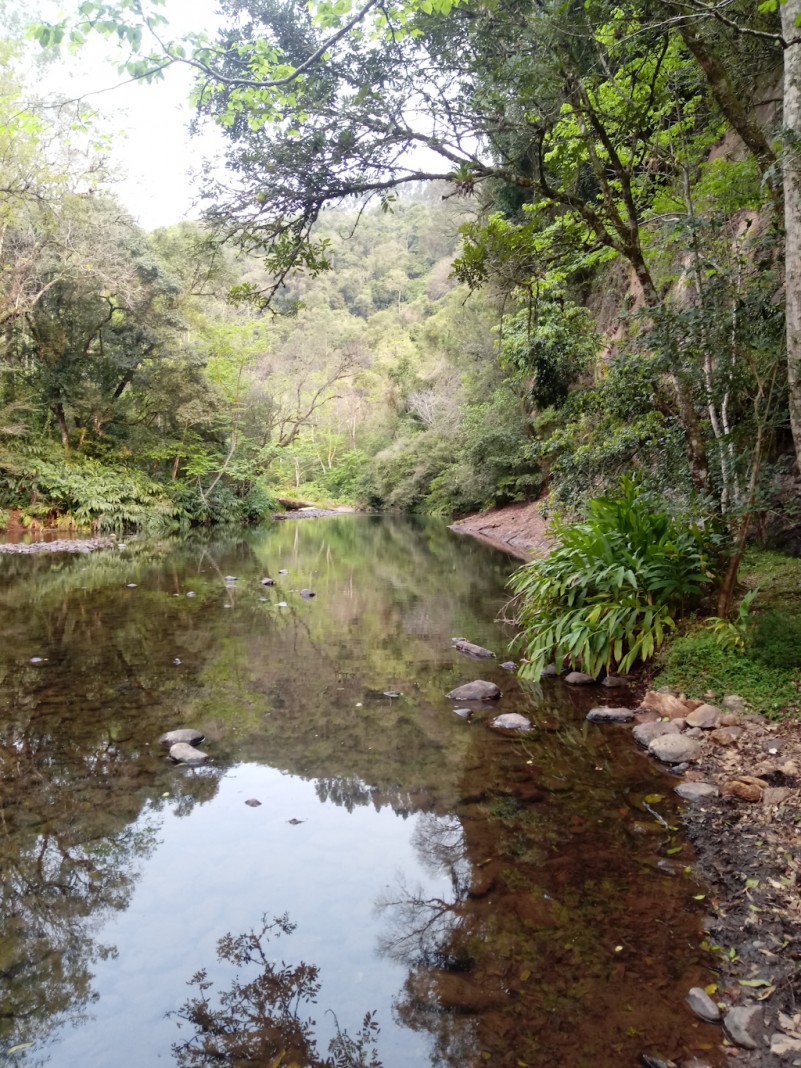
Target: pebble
[(36, 659), (702, 1005)]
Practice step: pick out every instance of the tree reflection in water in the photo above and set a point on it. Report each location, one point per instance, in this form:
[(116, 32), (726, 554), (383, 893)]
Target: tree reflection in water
[(258, 1021)]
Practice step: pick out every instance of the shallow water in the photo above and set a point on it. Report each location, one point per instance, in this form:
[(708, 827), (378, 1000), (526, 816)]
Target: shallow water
[(493, 899)]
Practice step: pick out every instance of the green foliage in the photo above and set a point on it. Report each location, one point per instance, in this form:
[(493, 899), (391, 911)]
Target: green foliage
[(611, 591), (734, 633), (696, 663), (91, 494), (549, 346)]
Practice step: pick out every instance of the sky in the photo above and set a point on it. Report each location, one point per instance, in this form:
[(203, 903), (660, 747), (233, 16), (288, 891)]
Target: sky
[(152, 150)]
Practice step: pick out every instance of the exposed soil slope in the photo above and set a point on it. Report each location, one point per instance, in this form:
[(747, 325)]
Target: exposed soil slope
[(519, 529)]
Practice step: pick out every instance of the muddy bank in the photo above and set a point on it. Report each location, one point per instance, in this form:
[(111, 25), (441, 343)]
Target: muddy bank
[(519, 529), (310, 511)]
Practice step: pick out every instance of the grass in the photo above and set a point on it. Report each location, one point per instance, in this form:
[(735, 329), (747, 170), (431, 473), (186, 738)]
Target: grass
[(766, 672)]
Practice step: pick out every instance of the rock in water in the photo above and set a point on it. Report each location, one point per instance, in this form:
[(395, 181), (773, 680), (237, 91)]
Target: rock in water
[(307, 594), (579, 678), (480, 690), (509, 665), (268, 582), (613, 681), (253, 802), (610, 715), (186, 734), (675, 749), (697, 791), (644, 733), (703, 1005), (478, 652), (512, 721), (187, 754)]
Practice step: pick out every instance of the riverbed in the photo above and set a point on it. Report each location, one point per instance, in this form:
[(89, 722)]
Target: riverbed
[(491, 897)]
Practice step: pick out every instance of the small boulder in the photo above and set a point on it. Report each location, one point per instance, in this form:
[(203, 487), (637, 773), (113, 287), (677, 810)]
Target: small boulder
[(512, 721), (666, 704), (509, 665), (610, 715), (675, 749), (183, 753), (702, 1005), (725, 735), (644, 733), (705, 716), (465, 713), (697, 791), (478, 652), (744, 1025), (579, 678), (186, 734), (479, 690), (613, 682), (745, 787), (550, 671)]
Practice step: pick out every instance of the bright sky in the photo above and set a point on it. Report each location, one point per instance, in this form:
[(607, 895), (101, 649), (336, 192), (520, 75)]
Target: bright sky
[(152, 150)]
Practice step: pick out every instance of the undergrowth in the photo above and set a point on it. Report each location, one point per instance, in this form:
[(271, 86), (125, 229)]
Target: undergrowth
[(766, 670)]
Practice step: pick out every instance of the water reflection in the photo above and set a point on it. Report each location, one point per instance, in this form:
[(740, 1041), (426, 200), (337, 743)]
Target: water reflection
[(526, 862), (259, 1020)]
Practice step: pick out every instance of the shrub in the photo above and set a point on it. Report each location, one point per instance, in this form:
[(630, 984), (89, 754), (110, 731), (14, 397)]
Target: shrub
[(611, 591)]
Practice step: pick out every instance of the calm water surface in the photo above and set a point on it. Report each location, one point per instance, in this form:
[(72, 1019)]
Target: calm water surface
[(494, 900)]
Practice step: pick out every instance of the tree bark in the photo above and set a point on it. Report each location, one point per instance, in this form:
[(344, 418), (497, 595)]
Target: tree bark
[(64, 430), (791, 173)]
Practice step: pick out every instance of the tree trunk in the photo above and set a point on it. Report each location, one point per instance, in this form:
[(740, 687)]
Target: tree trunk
[(64, 430), (737, 113), (791, 173)]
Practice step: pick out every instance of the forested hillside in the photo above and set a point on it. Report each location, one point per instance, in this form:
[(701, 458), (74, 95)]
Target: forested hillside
[(464, 254)]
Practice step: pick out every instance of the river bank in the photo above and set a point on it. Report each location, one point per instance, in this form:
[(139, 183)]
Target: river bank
[(743, 818)]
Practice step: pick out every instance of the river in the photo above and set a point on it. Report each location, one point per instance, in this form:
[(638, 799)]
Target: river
[(494, 899)]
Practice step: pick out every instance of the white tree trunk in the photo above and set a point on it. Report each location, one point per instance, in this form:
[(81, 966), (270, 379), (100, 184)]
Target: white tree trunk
[(791, 170)]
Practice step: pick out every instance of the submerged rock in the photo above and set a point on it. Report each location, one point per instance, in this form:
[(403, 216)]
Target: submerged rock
[(579, 678), (512, 721), (186, 734), (613, 681), (480, 690), (610, 715), (465, 713), (478, 652), (183, 753)]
